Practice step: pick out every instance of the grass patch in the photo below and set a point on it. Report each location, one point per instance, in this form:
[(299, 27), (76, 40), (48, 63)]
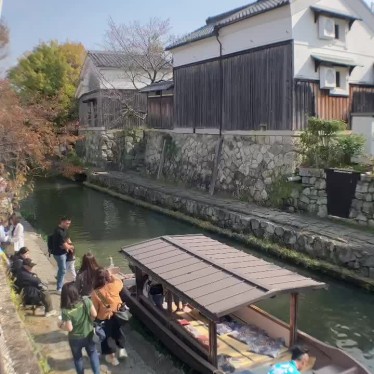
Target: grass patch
[(260, 245)]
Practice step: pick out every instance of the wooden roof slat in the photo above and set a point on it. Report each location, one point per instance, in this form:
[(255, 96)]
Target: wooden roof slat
[(272, 274), (160, 254), (292, 277), (192, 276), (212, 288), (231, 304), (144, 245), (156, 246), (170, 272), (220, 295), (208, 280), (177, 262)]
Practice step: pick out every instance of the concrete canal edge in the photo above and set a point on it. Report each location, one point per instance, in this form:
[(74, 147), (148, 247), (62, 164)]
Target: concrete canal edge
[(261, 245), (18, 353)]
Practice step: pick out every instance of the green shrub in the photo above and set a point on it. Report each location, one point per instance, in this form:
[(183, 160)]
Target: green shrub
[(280, 192), (322, 146), (350, 146)]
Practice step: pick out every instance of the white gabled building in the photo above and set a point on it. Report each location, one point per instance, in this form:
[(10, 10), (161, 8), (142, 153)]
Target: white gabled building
[(271, 63)]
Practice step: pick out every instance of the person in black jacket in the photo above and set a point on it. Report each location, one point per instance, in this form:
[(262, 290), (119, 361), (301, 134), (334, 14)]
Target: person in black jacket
[(17, 260), (33, 291), (61, 245)]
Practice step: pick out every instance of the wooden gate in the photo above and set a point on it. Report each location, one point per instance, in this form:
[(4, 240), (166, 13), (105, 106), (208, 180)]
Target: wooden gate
[(341, 187)]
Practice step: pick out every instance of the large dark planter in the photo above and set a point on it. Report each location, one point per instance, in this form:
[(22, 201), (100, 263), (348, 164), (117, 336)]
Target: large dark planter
[(340, 187)]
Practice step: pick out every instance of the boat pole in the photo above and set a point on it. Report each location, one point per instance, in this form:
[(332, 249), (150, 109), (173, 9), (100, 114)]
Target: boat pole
[(293, 318), (213, 343)]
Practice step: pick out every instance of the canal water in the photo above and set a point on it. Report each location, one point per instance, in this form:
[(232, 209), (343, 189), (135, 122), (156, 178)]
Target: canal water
[(342, 316)]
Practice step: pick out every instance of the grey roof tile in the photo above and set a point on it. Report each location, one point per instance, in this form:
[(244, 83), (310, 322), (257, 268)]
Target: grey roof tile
[(223, 19), (158, 86), (107, 59)]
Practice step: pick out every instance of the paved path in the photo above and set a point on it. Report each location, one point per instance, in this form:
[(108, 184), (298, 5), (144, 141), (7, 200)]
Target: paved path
[(356, 237), (53, 343)]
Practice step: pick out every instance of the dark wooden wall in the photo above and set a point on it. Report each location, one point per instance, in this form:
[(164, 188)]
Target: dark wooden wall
[(310, 100), (197, 95), (257, 89), (111, 107), (160, 112)]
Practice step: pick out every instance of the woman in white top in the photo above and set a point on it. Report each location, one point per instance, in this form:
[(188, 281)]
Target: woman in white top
[(17, 234), (3, 236)]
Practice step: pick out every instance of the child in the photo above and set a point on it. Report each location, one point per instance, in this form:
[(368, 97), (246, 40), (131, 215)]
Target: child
[(70, 261)]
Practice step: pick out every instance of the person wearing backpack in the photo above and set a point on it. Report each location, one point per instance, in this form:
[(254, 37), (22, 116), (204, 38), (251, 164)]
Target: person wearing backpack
[(77, 316)]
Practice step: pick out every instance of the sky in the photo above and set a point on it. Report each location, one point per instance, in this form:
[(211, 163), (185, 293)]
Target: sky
[(33, 21), (85, 21)]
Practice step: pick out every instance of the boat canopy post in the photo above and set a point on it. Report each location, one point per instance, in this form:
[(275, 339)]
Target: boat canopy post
[(213, 343), (169, 302), (139, 282), (293, 318)]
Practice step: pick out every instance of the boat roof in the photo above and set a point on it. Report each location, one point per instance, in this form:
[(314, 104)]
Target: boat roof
[(211, 276)]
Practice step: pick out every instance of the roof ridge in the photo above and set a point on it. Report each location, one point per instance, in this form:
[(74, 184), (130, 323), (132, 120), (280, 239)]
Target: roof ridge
[(221, 16), (221, 20)]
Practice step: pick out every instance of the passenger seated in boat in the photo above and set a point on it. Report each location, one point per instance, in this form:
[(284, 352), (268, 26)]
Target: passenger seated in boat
[(178, 302), (299, 360), (153, 291)]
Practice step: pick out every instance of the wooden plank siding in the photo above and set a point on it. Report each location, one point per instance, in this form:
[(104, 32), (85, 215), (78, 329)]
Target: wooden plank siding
[(310, 100), (109, 108), (257, 89), (196, 95), (160, 112)]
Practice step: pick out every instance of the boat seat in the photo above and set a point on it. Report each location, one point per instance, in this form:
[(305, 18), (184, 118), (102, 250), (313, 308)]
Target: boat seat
[(333, 369)]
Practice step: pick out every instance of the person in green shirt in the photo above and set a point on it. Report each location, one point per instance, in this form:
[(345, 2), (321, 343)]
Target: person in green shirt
[(77, 315)]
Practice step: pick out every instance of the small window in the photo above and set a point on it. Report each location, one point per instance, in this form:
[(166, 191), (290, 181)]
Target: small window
[(337, 32), (337, 79)]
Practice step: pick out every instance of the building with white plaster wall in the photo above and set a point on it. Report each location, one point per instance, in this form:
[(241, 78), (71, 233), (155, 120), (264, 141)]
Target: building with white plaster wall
[(270, 64)]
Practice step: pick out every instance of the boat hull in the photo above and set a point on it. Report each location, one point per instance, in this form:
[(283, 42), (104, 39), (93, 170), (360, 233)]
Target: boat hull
[(190, 352)]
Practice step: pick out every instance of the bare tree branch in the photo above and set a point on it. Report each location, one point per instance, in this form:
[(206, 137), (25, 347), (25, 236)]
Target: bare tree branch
[(143, 46)]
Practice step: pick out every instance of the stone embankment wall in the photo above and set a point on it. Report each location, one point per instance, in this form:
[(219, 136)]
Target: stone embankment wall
[(248, 164), (362, 209), (270, 228), (312, 197), (114, 149)]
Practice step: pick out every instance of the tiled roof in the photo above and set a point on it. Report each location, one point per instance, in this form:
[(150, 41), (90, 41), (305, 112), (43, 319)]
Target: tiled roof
[(158, 86), (224, 19), (107, 59)]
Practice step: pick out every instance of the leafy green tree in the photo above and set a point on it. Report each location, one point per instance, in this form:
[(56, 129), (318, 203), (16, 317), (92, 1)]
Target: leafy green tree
[(50, 73)]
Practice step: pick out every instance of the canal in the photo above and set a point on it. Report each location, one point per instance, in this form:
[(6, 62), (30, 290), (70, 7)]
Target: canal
[(342, 316)]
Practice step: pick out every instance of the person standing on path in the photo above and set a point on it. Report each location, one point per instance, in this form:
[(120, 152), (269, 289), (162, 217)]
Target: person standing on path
[(17, 236), (70, 261), (77, 316), (106, 300), (86, 274), (61, 245)]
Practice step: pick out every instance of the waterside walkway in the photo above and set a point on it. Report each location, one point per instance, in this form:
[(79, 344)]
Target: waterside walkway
[(52, 342), (339, 244)]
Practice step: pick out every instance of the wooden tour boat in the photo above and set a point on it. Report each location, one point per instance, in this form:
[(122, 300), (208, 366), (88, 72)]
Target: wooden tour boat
[(221, 330)]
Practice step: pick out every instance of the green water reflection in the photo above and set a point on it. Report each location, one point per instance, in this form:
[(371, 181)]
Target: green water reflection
[(342, 316)]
